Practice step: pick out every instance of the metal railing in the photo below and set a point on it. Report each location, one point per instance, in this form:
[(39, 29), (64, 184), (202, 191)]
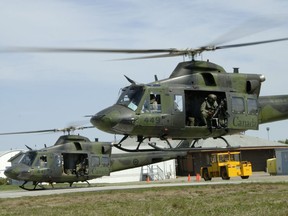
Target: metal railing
[(154, 172)]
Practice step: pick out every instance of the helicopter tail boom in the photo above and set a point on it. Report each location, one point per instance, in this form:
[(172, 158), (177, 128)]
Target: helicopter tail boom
[(132, 160), (273, 108)]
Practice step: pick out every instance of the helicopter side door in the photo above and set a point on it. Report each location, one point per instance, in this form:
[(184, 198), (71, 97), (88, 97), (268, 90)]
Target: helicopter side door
[(100, 165), (177, 109), (75, 164), (48, 164), (243, 111), (57, 164), (155, 109)]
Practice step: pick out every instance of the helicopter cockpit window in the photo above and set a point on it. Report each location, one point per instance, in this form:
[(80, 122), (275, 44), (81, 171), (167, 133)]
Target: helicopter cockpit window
[(252, 106), (28, 158), (178, 103), (238, 105), (43, 161), (131, 97), (152, 104)]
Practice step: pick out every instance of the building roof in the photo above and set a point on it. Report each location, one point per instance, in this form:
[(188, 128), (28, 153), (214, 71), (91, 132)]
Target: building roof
[(3, 153), (4, 157)]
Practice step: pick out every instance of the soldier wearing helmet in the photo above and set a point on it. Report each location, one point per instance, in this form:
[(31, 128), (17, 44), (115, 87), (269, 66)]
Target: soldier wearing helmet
[(208, 108)]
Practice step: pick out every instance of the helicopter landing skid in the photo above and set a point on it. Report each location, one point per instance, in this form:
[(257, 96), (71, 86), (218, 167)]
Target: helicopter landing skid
[(34, 188), (88, 183), (133, 150), (228, 145), (137, 149), (220, 137)]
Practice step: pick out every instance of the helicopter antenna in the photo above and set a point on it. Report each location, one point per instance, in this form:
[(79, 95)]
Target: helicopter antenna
[(28, 147), (155, 77), (130, 80)]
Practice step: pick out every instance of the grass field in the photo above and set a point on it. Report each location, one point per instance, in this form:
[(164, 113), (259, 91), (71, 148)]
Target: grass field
[(244, 199)]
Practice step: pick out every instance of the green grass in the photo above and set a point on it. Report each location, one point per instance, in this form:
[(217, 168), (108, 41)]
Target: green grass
[(8, 187), (243, 199)]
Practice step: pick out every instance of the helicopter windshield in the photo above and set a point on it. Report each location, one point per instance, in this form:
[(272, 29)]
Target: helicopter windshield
[(131, 96), (28, 158)]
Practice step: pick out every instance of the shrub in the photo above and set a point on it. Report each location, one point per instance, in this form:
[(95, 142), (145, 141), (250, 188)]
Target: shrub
[(4, 181)]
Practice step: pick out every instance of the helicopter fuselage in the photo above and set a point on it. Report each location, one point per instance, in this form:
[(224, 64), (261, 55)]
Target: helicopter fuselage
[(75, 158), (176, 108), (73, 161)]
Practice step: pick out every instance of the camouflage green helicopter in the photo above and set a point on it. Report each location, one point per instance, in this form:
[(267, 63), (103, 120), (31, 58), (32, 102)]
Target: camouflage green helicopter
[(175, 107), (199, 100), (74, 158)]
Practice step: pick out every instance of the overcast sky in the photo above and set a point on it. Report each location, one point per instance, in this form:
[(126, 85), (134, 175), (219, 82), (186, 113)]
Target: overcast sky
[(45, 91)]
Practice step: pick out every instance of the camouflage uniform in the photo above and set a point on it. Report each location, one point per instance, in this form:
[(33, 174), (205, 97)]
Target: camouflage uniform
[(208, 108)]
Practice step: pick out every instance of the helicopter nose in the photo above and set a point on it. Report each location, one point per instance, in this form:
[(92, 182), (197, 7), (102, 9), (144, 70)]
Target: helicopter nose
[(17, 172), (11, 172), (109, 119), (105, 120)]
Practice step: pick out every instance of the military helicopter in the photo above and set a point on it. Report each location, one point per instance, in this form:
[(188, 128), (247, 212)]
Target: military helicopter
[(74, 158), (179, 100), (176, 111)]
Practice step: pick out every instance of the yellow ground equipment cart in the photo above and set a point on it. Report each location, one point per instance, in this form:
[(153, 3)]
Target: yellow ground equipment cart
[(272, 166), (226, 165)]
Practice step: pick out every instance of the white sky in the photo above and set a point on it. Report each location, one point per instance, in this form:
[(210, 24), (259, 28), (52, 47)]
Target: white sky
[(46, 91)]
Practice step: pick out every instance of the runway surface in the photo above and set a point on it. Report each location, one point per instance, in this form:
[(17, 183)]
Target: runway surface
[(179, 182)]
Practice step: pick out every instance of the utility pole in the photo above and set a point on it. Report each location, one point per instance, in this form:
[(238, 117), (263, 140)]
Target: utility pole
[(268, 129)]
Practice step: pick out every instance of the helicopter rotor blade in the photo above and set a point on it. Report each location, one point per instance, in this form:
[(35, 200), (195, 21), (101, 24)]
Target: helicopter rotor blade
[(250, 27), (193, 52), (29, 132), (170, 52), (179, 53), (84, 127), (67, 129), (83, 50), (163, 53), (250, 44)]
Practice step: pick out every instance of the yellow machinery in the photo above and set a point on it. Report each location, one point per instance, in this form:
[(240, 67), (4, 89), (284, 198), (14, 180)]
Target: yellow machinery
[(271, 166), (226, 165)]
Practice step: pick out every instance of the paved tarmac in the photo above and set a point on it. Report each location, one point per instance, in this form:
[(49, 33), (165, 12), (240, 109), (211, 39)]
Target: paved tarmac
[(179, 182)]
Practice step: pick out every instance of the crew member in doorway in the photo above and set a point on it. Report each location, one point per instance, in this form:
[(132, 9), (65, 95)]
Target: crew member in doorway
[(153, 103), (208, 109)]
